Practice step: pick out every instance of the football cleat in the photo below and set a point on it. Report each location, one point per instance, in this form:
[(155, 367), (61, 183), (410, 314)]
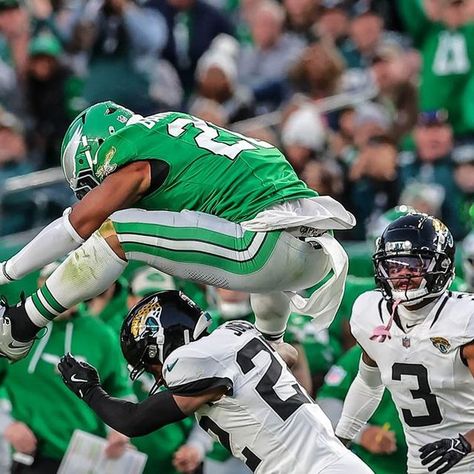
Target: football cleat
[(11, 348)]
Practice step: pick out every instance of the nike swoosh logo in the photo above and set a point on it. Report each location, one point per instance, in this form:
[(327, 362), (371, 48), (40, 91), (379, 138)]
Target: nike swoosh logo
[(169, 367), (409, 326), (75, 379), (19, 346)]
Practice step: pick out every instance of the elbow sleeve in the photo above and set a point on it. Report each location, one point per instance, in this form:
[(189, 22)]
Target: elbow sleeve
[(135, 419), (55, 240), (361, 401)]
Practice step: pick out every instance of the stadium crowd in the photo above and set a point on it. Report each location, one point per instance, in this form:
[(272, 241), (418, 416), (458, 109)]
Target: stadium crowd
[(371, 102)]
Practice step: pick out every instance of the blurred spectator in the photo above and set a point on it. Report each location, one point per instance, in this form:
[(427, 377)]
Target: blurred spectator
[(468, 262), (463, 157), (365, 34), (48, 97), (318, 71), (13, 151), (216, 77), (333, 22), (325, 177), (443, 30), (396, 89), (424, 197), (303, 137), (192, 25), (432, 163), (263, 66), (124, 41), (209, 110), (300, 17), (14, 28), (31, 428), (262, 132), (341, 142), (110, 306), (318, 347), (370, 120), (373, 182)]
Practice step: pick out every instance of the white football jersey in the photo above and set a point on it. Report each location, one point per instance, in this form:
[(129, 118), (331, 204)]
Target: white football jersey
[(430, 384), (266, 419)]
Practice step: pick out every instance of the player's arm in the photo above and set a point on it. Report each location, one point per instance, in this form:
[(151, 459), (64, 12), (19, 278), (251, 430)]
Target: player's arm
[(362, 399), (131, 419), (118, 191)]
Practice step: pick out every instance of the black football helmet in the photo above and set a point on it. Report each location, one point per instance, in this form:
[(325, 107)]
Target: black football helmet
[(157, 325), (414, 258)]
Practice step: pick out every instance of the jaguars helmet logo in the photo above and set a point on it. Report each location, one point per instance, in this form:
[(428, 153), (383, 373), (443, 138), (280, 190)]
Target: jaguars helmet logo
[(441, 344), (146, 319)]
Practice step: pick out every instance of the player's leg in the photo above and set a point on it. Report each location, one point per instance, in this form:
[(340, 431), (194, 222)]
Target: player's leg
[(214, 251), (85, 273), (272, 311), (190, 245)]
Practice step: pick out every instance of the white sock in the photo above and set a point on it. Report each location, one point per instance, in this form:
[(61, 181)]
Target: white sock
[(87, 272), (272, 311)]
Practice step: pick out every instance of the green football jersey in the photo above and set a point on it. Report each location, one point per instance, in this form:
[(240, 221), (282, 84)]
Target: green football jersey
[(209, 169)]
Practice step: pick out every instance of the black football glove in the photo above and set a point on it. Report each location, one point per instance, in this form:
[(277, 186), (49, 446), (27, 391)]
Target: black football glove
[(80, 377), (447, 451)]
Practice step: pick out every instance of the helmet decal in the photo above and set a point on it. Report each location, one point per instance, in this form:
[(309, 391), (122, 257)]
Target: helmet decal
[(159, 324), (106, 168), (69, 155), (146, 319)]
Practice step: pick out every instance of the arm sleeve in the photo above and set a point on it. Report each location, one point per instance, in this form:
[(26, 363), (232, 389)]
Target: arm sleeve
[(362, 400), (116, 380), (134, 419), (55, 240)]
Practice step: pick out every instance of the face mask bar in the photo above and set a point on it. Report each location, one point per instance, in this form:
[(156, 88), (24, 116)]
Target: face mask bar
[(397, 273)]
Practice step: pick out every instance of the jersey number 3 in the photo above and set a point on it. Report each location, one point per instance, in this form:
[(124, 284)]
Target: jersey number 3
[(423, 392)]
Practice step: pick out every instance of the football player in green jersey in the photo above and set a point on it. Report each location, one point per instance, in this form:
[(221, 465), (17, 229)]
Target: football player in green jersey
[(188, 198)]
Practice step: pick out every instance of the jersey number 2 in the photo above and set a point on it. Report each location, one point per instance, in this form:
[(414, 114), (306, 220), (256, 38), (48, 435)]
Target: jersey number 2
[(208, 136), (265, 387), (423, 392)]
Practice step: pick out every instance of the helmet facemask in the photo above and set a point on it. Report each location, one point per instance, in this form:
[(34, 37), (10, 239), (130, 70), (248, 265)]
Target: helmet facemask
[(413, 277)]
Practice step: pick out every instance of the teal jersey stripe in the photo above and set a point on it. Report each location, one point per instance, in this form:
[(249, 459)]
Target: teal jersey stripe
[(41, 307), (51, 300), (197, 234), (243, 267)]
